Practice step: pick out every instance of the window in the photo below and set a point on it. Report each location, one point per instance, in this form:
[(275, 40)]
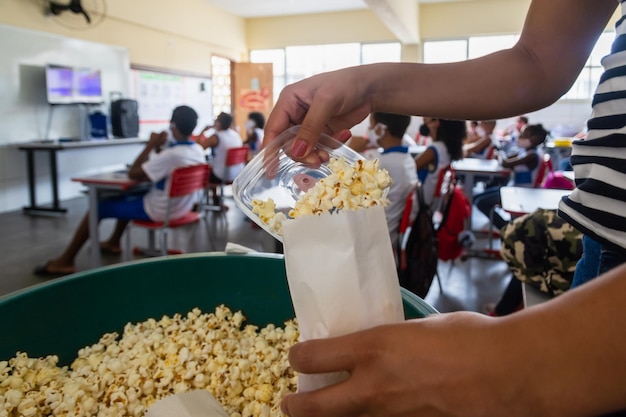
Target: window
[(587, 81), (295, 63), (474, 47), (220, 72)]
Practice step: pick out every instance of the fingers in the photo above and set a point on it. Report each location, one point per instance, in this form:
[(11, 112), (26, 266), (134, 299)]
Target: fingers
[(327, 402), (322, 355)]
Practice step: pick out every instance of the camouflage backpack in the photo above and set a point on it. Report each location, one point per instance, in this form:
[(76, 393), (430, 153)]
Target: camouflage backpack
[(542, 250)]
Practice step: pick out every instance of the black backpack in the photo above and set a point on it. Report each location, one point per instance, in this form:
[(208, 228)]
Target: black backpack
[(419, 249)]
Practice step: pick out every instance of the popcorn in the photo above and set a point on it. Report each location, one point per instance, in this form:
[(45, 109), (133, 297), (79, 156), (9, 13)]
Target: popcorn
[(244, 367), (347, 187)]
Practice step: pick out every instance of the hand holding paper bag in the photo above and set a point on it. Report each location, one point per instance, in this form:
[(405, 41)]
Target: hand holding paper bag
[(342, 277)]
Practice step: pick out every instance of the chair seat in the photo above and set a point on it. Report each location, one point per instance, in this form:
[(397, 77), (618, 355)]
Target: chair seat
[(188, 218)]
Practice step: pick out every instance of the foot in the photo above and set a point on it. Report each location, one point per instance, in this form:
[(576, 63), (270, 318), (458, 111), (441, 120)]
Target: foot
[(53, 270), (110, 249)]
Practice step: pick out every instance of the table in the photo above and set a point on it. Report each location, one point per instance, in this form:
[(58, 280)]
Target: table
[(52, 148), (471, 168), (524, 200), (117, 182)]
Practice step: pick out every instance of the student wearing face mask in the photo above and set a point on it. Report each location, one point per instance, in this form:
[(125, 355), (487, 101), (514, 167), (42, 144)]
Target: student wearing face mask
[(384, 135), (525, 166), (254, 131), (447, 146)]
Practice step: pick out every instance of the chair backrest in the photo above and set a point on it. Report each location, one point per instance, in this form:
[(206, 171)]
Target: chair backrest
[(235, 156), (545, 166), (188, 179), (406, 220)]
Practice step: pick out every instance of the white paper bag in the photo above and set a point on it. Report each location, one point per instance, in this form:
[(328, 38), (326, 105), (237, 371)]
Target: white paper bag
[(198, 403), (342, 277)]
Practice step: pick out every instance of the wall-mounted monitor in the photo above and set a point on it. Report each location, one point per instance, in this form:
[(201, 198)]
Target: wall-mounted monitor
[(59, 84), (67, 85)]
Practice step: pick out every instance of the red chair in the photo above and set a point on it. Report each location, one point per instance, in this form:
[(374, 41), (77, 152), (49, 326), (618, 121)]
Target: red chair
[(183, 181), (545, 167), (235, 158)]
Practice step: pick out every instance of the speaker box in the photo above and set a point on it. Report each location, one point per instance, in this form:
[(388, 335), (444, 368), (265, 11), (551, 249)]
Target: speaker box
[(125, 118)]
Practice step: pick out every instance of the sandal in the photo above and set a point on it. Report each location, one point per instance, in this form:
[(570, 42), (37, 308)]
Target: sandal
[(43, 271)]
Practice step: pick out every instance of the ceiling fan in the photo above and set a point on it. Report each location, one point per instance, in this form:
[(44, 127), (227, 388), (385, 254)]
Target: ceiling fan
[(83, 13)]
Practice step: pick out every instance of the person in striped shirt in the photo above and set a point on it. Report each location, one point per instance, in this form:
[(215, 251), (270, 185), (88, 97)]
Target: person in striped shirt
[(564, 357)]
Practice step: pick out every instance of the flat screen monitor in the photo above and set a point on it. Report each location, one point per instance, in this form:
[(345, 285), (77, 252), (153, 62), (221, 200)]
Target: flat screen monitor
[(87, 86), (68, 85), (59, 84)]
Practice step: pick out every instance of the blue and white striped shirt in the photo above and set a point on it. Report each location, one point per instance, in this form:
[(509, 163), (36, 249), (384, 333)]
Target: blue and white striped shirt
[(597, 207)]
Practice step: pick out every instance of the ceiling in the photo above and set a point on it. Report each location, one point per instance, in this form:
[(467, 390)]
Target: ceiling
[(266, 8)]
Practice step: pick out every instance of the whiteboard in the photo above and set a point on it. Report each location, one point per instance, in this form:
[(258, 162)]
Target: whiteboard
[(24, 111), (158, 93)]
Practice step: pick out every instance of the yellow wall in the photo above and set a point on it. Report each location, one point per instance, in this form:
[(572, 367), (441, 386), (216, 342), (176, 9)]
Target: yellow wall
[(178, 35), (457, 19), (339, 27), (182, 35)]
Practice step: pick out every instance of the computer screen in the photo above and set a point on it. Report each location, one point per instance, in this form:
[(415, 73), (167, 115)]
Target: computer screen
[(67, 85), (59, 84), (87, 86)]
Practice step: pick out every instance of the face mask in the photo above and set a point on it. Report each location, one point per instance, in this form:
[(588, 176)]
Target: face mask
[(424, 130), (250, 124), (373, 136), (524, 142)]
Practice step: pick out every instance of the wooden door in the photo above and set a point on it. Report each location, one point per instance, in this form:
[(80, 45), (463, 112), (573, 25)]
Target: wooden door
[(252, 89)]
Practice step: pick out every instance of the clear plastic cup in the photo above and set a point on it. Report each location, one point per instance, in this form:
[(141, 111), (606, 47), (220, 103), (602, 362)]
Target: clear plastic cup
[(273, 174)]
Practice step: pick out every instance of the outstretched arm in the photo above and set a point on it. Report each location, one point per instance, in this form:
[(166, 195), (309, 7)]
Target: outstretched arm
[(564, 357), (556, 40)]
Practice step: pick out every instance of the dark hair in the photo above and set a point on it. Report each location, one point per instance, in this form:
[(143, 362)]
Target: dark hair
[(452, 133), (536, 133), (396, 123), (185, 118), (258, 118), (225, 120), (523, 119)]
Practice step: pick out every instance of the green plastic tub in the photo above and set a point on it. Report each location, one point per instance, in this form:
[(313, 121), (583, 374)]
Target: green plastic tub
[(64, 315)]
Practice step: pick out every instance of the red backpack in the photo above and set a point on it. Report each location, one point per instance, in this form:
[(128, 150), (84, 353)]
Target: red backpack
[(456, 210)]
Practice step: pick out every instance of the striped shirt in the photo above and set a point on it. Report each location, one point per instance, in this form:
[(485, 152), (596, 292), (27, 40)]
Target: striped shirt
[(597, 207)]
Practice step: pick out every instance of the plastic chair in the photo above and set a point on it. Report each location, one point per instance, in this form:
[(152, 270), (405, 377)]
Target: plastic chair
[(545, 167), (183, 181), (235, 157)]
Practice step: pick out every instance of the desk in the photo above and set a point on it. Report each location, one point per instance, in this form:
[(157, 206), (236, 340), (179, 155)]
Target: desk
[(523, 200), (52, 147), (471, 168), (96, 185), (569, 175)]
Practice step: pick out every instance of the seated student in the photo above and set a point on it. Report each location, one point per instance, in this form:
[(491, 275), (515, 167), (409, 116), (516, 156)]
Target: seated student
[(385, 132), (524, 165), (447, 146), (221, 139), (479, 146), (254, 131), (155, 163)]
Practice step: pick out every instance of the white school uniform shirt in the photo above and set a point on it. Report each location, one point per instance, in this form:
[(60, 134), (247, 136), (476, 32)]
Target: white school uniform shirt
[(228, 138), (159, 167), (401, 167)]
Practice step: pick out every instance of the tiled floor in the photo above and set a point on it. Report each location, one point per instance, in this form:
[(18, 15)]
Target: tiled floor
[(27, 241)]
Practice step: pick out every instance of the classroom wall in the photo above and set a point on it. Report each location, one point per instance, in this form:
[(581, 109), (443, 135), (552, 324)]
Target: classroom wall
[(182, 36), (178, 36)]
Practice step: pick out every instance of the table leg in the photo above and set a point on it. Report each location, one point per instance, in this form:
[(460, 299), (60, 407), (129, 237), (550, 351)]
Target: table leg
[(55, 180), (30, 166), (94, 238)]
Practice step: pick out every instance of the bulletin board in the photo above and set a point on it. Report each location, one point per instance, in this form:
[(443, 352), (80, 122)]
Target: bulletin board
[(158, 92)]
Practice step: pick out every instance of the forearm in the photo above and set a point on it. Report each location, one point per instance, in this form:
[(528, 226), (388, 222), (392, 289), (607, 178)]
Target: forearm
[(135, 171), (531, 75), (571, 351)]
